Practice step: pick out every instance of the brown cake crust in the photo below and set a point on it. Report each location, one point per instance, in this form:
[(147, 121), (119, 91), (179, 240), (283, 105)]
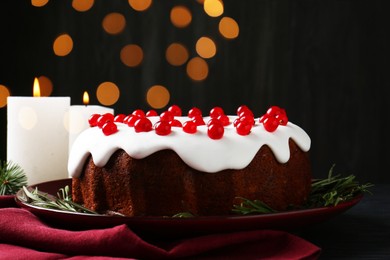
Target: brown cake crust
[(163, 185)]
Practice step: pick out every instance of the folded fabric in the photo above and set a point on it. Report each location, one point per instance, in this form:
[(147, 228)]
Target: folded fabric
[(7, 201), (24, 236)]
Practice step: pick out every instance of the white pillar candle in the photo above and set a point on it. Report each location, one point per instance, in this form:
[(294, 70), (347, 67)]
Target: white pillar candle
[(37, 136), (79, 115)]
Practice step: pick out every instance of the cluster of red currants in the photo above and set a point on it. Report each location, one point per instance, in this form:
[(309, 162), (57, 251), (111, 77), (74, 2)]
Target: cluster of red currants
[(274, 117)]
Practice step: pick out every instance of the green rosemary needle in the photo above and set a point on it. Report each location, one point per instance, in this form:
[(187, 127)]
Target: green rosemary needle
[(63, 201), (334, 190)]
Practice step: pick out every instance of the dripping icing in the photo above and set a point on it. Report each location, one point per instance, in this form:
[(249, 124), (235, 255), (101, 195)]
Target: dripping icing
[(197, 150)]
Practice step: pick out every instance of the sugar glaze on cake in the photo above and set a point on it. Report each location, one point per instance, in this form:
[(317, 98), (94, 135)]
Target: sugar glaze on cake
[(197, 150)]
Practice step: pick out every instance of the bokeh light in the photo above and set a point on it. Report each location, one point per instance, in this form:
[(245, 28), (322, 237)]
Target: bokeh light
[(176, 54), (63, 45), (114, 23), (107, 93), (180, 16), (213, 8), (45, 86), (82, 5), (4, 94), (39, 3), (140, 5), (157, 96), (205, 47), (197, 69), (131, 55), (228, 28)]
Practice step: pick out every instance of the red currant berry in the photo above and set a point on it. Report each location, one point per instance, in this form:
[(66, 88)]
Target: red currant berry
[(139, 112), (162, 128), (175, 123), (250, 119), (119, 118), (282, 119), (216, 112), (194, 112), (175, 110), (104, 119), (279, 113), (143, 124), (243, 128), (215, 131), (224, 120), (151, 113), (236, 121), (246, 112), (166, 116), (133, 118), (189, 127), (270, 124), (242, 108), (214, 121), (127, 118), (263, 117), (109, 128), (198, 120), (92, 120), (275, 110)]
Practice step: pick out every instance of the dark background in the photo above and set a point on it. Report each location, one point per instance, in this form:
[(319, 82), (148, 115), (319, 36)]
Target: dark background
[(325, 61)]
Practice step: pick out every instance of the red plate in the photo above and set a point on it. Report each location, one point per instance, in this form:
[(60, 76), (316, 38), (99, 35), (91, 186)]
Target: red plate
[(178, 227)]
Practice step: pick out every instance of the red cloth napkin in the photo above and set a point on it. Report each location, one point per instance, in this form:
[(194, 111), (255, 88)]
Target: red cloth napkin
[(7, 201), (24, 236)]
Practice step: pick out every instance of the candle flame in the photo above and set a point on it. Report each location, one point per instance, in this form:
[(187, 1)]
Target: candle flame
[(86, 98), (36, 88)]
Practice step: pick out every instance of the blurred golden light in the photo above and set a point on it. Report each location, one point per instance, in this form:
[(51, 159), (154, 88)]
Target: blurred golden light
[(213, 8), (63, 45), (200, 1), (39, 3), (85, 98), (197, 69), (205, 47), (180, 16), (107, 93), (114, 23), (131, 55), (36, 88), (140, 5), (157, 96), (4, 94), (228, 28), (45, 86), (82, 5), (176, 54)]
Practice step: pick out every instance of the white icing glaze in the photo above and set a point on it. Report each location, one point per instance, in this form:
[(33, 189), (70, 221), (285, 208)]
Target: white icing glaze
[(197, 150)]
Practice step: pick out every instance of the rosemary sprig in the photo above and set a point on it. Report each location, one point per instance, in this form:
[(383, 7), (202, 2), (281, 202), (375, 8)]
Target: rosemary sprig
[(62, 202), (12, 178), (334, 190), (252, 206), (324, 193), (183, 215)]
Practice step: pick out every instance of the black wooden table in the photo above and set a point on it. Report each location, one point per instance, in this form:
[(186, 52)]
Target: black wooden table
[(362, 232)]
